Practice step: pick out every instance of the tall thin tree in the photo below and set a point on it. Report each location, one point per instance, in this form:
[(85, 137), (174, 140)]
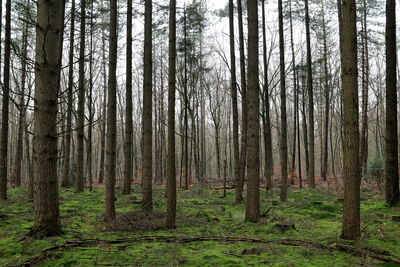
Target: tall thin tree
[(243, 88), (147, 201), (68, 136), (79, 182), (111, 142), (311, 171), (283, 143), (171, 169), (391, 140), (128, 108), (235, 123), (6, 101)]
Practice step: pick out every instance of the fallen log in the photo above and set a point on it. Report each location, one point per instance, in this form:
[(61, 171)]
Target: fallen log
[(361, 252)]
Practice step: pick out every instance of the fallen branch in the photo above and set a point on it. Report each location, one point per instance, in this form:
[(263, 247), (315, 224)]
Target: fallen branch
[(361, 252)]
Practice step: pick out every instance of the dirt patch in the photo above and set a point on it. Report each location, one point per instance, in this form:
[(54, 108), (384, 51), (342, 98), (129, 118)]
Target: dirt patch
[(138, 221)]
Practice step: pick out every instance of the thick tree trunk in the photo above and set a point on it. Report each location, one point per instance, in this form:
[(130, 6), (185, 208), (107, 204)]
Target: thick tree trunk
[(50, 17), (6, 100), (253, 142), (351, 158), (391, 163), (128, 109), (111, 142), (147, 202)]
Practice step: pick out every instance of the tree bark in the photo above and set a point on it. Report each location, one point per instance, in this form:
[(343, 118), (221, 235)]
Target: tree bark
[(50, 18), (391, 141), (128, 109), (235, 124), (111, 142), (283, 143), (351, 158), (80, 158), (6, 100), (253, 142), (311, 171), (171, 169), (147, 202), (243, 85)]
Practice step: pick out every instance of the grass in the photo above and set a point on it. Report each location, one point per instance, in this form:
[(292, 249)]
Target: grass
[(315, 213)]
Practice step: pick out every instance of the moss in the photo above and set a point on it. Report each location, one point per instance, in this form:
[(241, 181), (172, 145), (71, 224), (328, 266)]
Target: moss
[(315, 213)]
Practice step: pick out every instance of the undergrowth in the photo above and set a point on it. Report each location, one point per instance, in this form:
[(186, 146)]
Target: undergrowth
[(316, 215)]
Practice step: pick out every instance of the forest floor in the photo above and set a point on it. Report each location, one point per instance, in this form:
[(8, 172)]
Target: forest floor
[(137, 240)]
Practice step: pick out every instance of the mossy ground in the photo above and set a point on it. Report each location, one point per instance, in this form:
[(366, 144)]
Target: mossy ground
[(202, 212)]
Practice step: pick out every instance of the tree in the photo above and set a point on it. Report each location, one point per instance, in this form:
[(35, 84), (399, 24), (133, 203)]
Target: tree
[(6, 100), (351, 156), (243, 86), (128, 111), (283, 143), (67, 152), (79, 182), (266, 117), (253, 165), (171, 170), (311, 174), (235, 125), (50, 18), (147, 201), (391, 141), (111, 142)]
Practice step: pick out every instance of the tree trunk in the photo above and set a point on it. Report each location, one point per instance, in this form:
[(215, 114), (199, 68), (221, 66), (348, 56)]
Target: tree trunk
[(351, 158), (283, 143), (90, 104), (311, 171), (324, 168), (235, 124), (267, 119), (67, 154), (147, 203), (391, 163), (6, 100), (104, 114), (364, 93), (253, 142), (79, 181), (50, 17), (243, 86), (111, 143), (171, 169), (128, 110), (22, 110)]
